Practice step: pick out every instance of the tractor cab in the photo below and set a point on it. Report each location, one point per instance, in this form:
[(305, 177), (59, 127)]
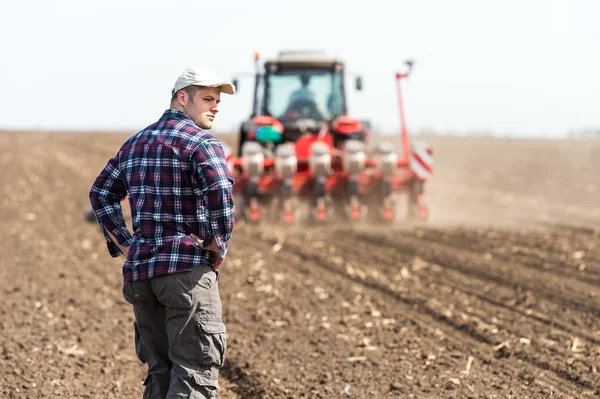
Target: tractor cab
[(299, 93)]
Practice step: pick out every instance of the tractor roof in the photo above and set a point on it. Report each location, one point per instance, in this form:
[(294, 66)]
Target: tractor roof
[(304, 59)]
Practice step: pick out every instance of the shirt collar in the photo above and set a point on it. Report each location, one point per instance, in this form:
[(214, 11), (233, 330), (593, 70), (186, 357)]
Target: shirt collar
[(176, 114)]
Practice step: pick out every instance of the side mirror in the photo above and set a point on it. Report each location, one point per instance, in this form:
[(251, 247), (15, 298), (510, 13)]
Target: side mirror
[(235, 83), (358, 83)]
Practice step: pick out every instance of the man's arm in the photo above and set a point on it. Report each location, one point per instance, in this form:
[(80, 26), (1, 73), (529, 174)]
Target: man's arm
[(106, 195), (216, 182)]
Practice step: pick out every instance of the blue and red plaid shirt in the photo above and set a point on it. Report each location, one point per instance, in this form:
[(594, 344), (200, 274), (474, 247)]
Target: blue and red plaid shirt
[(177, 180)]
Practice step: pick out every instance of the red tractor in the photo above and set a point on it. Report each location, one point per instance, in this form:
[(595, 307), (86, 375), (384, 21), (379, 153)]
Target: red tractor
[(300, 148)]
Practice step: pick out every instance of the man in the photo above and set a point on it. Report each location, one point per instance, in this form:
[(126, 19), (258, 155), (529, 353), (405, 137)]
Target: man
[(180, 194), (303, 102), (303, 93)]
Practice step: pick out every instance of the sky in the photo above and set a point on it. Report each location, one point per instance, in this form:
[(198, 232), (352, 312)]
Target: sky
[(511, 67)]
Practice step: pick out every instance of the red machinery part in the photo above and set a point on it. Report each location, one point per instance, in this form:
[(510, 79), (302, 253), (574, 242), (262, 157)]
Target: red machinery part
[(345, 124)]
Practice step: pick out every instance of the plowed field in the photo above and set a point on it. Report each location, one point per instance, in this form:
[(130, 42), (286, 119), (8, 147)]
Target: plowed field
[(498, 296)]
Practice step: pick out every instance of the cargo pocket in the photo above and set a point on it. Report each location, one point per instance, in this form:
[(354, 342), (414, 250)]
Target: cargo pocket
[(212, 339), (213, 342), (140, 348), (206, 385)]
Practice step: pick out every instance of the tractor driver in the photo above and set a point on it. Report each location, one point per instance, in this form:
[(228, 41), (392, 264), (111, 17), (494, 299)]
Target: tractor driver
[(304, 98), (303, 93)]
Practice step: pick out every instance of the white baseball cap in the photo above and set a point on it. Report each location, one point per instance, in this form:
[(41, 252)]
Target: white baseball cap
[(201, 77)]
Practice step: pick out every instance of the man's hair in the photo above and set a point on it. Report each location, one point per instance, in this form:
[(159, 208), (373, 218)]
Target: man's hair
[(190, 90)]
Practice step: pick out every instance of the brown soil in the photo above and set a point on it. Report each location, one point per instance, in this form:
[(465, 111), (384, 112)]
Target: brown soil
[(504, 306)]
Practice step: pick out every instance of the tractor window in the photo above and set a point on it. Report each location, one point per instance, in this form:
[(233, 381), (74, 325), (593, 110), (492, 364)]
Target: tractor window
[(307, 93)]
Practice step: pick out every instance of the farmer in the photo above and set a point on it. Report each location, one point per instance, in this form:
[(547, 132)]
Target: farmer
[(303, 101), (303, 93), (180, 193)]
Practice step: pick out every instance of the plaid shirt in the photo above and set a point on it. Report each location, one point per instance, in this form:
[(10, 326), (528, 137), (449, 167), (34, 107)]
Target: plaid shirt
[(178, 182)]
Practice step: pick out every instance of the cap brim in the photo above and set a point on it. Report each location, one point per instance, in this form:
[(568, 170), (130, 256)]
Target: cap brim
[(226, 87)]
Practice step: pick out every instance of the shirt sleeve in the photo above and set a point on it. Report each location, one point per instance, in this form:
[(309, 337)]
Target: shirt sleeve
[(106, 195), (216, 181)]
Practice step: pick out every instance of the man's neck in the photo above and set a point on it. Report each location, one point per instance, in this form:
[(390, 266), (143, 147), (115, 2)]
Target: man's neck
[(177, 107)]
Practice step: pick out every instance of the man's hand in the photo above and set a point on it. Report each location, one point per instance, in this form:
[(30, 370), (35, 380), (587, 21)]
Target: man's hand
[(209, 246), (123, 249)]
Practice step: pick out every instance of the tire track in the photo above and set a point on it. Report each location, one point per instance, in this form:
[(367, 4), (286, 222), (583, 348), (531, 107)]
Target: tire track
[(418, 342), (531, 251), (470, 286), (492, 270), (465, 334), (515, 328)]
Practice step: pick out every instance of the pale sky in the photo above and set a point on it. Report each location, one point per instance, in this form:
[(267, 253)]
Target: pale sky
[(516, 67)]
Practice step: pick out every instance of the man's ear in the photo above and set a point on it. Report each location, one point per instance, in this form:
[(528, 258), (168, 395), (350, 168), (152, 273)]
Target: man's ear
[(182, 97)]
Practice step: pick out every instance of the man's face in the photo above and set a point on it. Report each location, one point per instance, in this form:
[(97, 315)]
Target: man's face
[(203, 106)]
